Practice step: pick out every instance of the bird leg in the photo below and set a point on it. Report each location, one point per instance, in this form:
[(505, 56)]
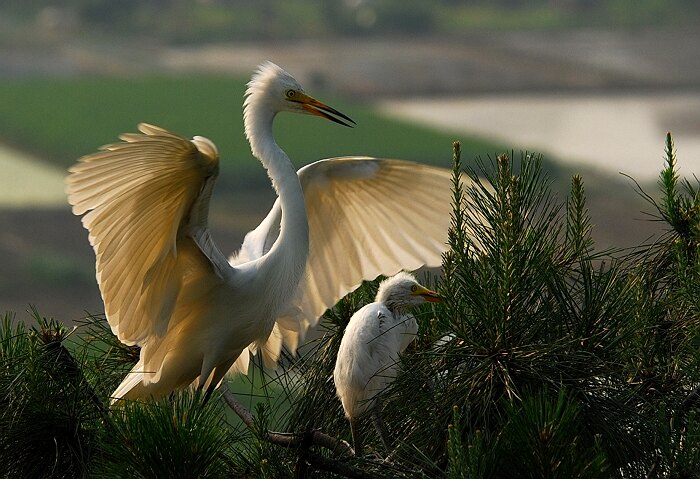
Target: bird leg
[(379, 424), (356, 436), (205, 394), (208, 393), (217, 376)]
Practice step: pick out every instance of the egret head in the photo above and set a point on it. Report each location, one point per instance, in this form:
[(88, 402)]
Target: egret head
[(403, 291), (276, 90)]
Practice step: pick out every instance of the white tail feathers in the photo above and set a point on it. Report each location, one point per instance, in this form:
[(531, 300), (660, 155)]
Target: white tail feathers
[(131, 385)]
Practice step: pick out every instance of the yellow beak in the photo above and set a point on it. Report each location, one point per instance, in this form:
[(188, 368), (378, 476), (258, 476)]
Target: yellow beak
[(428, 294), (317, 108)]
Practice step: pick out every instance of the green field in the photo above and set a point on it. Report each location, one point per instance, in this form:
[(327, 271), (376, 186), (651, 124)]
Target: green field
[(62, 119)]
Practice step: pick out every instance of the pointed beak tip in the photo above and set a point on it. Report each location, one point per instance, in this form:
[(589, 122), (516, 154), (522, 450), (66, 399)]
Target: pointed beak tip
[(432, 297), (315, 107), (338, 117)]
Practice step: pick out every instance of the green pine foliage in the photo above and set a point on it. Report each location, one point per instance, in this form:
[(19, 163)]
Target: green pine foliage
[(50, 413), (179, 437), (545, 437), (548, 359)]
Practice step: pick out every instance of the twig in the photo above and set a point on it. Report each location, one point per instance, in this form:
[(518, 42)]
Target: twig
[(286, 439), (306, 439)]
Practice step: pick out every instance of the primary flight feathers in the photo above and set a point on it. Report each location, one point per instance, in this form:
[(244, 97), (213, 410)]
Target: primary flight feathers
[(139, 195)]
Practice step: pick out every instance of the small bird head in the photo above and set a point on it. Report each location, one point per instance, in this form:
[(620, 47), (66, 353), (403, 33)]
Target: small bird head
[(403, 291), (281, 92)]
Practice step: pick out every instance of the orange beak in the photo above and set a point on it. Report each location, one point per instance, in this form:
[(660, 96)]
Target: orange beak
[(429, 295), (314, 107)]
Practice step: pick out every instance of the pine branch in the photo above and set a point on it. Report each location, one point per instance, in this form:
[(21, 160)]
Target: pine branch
[(668, 181), (304, 440), (286, 439), (456, 234), (578, 223)]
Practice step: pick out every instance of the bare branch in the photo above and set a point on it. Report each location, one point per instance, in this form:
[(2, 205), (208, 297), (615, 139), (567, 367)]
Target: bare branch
[(305, 439), (284, 439)]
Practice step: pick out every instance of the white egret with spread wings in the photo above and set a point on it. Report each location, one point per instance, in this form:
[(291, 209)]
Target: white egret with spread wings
[(168, 288)]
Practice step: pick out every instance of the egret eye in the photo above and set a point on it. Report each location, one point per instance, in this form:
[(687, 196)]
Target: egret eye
[(414, 288), (290, 94)]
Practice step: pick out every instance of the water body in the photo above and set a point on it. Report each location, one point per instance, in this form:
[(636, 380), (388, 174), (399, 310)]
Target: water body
[(611, 132)]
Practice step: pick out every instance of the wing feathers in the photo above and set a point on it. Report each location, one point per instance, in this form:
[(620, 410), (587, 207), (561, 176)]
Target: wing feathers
[(136, 197)]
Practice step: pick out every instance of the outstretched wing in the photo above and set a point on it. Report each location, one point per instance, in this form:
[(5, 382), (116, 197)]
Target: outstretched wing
[(140, 197), (367, 217)]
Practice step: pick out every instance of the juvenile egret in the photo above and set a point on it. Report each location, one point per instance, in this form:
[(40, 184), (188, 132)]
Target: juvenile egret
[(168, 288), (369, 351)]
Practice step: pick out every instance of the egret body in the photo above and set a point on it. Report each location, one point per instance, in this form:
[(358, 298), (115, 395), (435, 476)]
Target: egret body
[(368, 357), (167, 287)]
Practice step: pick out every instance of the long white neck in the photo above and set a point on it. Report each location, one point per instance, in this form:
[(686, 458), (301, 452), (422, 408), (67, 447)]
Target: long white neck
[(286, 260)]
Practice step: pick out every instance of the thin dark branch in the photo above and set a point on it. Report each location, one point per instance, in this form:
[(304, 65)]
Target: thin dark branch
[(285, 439), (305, 439)]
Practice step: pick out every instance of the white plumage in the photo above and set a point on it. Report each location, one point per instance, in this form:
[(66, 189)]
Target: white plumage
[(368, 357), (168, 288)]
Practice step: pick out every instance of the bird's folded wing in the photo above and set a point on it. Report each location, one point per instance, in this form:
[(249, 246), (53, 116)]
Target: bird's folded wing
[(137, 197), (367, 217)]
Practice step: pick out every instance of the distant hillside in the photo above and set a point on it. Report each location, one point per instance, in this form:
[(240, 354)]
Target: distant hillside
[(174, 21)]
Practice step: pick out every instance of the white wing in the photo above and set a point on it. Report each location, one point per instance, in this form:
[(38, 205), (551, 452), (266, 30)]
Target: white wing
[(146, 201), (408, 329), (367, 217)]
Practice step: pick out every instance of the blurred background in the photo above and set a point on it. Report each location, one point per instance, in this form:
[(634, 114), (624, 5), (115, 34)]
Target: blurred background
[(593, 85)]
